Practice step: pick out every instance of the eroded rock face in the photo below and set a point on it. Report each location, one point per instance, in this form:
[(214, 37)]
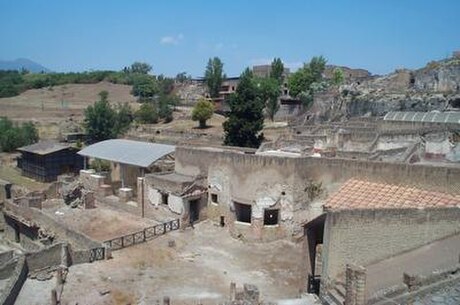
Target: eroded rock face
[(381, 104), (434, 87)]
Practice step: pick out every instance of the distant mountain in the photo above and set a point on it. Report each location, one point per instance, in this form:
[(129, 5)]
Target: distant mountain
[(20, 63)]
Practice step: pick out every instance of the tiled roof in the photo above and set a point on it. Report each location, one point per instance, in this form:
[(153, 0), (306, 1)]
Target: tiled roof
[(359, 194)]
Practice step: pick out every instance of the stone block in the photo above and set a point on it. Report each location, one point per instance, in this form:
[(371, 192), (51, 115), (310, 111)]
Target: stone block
[(125, 194), (105, 190), (89, 201)]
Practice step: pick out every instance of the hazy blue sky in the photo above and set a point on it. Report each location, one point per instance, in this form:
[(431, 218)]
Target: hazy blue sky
[(175, 36)]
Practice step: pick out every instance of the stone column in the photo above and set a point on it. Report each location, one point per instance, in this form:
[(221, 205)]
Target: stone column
[(355, 285), (54, 297), (232, 291), (65, 261)]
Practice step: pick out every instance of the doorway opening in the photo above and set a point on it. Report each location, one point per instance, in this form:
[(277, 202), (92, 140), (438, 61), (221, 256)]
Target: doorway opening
[(314, 233), (194, 210), (164, 198)]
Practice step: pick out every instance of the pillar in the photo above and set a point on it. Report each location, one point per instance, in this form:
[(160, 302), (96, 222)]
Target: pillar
[(355, 285)]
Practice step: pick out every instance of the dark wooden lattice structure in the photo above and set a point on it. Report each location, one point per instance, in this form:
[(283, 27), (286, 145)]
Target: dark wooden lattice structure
[(44, 161)]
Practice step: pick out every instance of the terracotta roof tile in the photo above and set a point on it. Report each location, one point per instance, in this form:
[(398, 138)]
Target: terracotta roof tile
[(360, 194)]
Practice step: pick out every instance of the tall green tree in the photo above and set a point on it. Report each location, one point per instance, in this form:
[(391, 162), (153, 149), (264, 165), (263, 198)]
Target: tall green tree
[(100, 119), (202, 112), (268, 90), (245, 122), (277, 70), (308, 80), (214, 76)]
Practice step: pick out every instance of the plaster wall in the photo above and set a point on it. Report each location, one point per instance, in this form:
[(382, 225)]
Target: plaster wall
[(176, 204)]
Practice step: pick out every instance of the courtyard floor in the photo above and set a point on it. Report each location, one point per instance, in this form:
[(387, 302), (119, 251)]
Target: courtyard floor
[(197, 270), (101, 223)]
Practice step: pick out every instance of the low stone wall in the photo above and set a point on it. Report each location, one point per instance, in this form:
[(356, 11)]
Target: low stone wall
[(15, 281), (6, 256), (48, 257), (77, 239)]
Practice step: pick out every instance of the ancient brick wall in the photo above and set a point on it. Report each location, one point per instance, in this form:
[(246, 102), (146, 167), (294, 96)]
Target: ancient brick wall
[(364, 237)]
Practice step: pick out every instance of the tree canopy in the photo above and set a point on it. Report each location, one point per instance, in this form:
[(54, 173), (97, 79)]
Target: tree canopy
[(245, 121), (268, 90), (103, 122), (202, 112), (13, 136), (277, 70), (307, 80), (139, 67), (214, 76)]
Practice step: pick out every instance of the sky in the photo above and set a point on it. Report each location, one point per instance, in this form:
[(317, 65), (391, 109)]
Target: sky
[(180, 36)]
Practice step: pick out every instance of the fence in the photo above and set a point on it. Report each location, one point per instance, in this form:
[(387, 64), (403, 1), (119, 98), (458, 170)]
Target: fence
[(142, 236)]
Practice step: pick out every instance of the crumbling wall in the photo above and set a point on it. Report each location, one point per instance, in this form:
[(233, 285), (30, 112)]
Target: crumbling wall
[(42, 220), (15, 282), (90, 180), (45, 258), (364, 237), (197, 161)]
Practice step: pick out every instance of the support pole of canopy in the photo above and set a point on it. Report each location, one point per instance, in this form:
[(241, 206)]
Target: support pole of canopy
[(122, 171)]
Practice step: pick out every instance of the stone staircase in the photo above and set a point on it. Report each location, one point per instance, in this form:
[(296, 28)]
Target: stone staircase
[(335, 296)]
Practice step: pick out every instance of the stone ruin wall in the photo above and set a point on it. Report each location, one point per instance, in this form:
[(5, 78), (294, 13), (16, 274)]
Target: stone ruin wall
[(261, 181)]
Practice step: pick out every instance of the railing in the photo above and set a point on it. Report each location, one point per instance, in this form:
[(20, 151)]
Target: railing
[(142, 236), (96, 254)]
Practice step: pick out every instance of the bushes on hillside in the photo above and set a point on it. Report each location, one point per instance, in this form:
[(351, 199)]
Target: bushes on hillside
[(13, 136)]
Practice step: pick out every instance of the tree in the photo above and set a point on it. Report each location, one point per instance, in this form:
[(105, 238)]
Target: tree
[(144, 86), (13, 136), (124, 118), (100, 119), (214, 76), (140, 67), (147, 114), (182, 77), (245, 120), (202, 112), (268, 90), (337, 77), (308, 80), (165, 84), (277, 70)]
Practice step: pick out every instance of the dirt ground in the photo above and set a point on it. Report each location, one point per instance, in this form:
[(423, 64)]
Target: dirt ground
[(60, 109), (61, 101), (198, 270), (101, 223)]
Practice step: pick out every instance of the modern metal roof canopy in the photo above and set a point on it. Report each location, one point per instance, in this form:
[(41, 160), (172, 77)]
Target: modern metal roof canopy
[(425, 117), (141, 154)]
